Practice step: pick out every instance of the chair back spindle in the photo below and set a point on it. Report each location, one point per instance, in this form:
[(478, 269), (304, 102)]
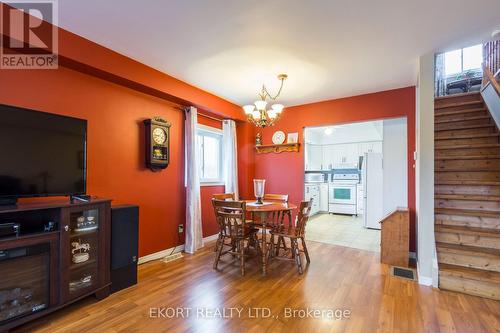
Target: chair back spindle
[(230, 217), (303, 217), (277, 218)]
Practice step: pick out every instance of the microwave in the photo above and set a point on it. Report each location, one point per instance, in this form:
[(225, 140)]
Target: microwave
[(314, 178)]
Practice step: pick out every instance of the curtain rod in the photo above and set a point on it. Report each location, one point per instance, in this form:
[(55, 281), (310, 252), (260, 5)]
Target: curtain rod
[(210, 117)]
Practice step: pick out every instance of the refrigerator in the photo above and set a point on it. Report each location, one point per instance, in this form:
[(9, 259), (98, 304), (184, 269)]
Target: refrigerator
[(372, 178)]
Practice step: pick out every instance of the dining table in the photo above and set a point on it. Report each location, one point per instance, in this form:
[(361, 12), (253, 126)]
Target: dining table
[(263, 211)]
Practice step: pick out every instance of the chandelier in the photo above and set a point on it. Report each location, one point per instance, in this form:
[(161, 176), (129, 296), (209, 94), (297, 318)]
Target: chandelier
[(257, 113)]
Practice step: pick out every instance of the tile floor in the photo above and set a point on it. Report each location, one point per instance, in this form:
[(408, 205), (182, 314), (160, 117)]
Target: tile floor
[(342, 230)]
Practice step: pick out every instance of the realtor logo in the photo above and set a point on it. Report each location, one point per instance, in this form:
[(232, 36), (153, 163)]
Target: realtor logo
[(29, 34)]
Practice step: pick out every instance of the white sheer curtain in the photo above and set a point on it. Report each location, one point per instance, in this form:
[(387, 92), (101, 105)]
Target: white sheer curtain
[(229, 146), (194, 236)]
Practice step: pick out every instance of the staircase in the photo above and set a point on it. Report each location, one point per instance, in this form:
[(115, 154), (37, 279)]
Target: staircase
[(467, 196)]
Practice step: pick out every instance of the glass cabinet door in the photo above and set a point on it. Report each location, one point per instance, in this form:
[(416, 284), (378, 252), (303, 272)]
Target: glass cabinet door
[(83, 237)]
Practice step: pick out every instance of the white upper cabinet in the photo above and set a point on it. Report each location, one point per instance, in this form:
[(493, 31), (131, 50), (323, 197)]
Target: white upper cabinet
[(345, 153), (328, 157), (371, 147), (314, 157)]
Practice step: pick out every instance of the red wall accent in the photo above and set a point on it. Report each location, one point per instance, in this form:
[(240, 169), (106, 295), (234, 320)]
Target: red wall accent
[(285, 172), (246, 159), (210, 226)]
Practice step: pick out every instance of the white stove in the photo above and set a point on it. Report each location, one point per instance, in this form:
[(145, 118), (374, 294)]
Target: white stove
[(342, 193)]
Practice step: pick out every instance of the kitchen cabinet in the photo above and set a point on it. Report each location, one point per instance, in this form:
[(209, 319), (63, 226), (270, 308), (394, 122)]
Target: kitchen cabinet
[(338, 155), (323, 197), (342, 154), (328, 157), (314, 157), (371, 147)]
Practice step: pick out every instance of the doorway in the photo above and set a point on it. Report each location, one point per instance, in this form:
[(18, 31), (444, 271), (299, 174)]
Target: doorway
[(356, 174)]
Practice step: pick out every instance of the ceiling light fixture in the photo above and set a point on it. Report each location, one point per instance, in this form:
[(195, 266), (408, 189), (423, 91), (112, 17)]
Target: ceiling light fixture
[(328, 131), (257, 113)]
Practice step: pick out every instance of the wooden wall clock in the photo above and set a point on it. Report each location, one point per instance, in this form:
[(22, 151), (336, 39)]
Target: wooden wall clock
[(157, 143)]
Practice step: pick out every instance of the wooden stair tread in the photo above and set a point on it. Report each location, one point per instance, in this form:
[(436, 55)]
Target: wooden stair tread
[(463, 127), (467, 157), (467, 136), (456, 96), (467, 182), (452, 112), (470, 273), (456, 248), (468, 256), (469, 146), (475, 197), (450, 105), (466, 212), (467, 230), (446, 121)]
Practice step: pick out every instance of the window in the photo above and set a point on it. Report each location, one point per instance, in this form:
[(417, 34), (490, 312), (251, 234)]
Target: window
[(458, 61), (209, 142)]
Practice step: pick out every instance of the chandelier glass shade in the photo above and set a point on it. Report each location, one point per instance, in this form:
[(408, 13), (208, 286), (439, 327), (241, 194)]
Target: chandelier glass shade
[(258, 114)]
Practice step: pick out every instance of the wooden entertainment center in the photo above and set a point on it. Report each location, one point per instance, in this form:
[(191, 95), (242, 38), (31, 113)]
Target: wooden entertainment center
[(61, 254)]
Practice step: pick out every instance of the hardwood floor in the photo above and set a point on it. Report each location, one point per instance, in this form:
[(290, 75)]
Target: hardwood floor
[(338, 278)]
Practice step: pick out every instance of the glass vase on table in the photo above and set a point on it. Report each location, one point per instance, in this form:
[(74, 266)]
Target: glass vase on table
[(258, 189)]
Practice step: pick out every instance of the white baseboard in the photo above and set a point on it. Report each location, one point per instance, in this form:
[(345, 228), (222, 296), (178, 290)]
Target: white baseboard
[(160, 254), (210, 238), (435, 273), (163, 253), (424, 280)]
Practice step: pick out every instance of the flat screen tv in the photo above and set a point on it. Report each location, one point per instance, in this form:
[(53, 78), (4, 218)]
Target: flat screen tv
[(41, 154)]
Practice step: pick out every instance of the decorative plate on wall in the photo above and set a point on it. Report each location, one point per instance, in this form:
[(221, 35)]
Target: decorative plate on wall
[(278, 137)]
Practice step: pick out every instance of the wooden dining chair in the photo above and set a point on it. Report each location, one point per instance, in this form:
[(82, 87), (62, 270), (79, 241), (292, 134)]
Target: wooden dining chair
[(277, 218), (294, 233), (235, 231), (224, 196)]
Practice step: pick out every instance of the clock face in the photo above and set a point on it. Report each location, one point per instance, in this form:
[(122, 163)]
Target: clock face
[(278, 137), (159, 136)]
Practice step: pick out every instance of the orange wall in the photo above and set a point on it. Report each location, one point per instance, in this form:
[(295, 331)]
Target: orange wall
[(285, 172), (115, 143), (246, 159), (116, 146)]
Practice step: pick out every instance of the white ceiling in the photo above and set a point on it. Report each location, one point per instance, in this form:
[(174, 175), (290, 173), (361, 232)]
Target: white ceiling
[(347, 133), (329, 48)]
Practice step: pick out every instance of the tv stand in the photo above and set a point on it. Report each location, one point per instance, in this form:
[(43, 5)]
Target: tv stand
[(8, 201), (61, 255), (79, 198)]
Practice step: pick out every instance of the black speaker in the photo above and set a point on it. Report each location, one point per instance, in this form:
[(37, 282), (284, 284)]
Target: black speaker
[(124, 246)]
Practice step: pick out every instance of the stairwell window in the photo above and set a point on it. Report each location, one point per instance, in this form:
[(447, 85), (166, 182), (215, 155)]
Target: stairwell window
[(209, 142), (462, 60), (459, 71)]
